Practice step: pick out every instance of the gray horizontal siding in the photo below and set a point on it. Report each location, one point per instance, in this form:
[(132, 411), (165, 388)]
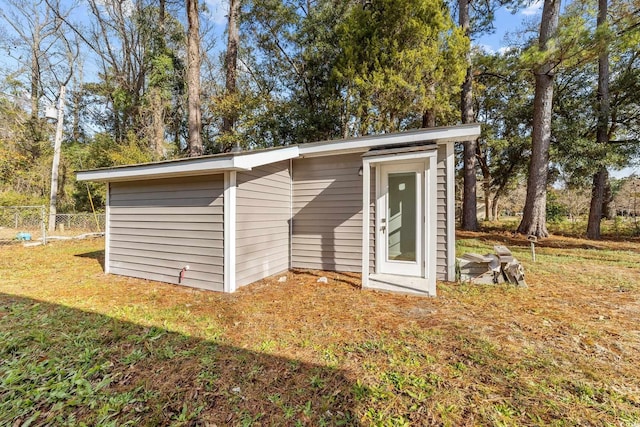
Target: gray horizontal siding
[(327, 213), (441, 261), (263, 211), (159, 226)]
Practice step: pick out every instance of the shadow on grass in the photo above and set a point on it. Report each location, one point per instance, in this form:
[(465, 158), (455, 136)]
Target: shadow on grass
[(66, 366), (97, 255)]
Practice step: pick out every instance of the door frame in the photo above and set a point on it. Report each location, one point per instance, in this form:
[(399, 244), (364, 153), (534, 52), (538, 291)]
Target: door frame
[(430, 190), (383, 264)]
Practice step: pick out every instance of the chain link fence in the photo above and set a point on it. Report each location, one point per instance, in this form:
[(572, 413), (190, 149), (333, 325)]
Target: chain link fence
[(21, 224), (79, 223), (24, 224)]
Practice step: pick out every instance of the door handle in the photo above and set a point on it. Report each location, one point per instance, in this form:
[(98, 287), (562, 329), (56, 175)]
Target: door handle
[(383, 228)]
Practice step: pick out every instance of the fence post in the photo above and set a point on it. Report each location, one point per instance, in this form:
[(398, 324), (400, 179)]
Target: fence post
[(42, 224)]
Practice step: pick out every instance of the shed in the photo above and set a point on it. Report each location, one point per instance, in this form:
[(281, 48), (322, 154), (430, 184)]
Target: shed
[(382, 206)]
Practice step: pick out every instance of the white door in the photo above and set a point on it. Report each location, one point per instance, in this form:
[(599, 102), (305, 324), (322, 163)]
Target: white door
[(399, 219)]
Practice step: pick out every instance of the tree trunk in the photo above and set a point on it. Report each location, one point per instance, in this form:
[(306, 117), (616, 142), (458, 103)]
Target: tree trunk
[(157, 101), (602, 134), (35, 81), (157, 108), (57, 145), (231, 65), (487, 195), (595, 208), (494, 207), (534, 218), (193, 79), (469, 197), (429, 119), (429, 116), (607, 211)]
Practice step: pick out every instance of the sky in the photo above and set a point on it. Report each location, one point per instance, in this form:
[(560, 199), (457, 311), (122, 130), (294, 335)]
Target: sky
[(507, 25)]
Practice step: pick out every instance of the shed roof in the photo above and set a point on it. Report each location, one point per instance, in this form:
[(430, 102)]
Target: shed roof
[(246, 160)]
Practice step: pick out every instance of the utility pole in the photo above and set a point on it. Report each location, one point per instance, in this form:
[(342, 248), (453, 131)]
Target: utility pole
[(57, 143)]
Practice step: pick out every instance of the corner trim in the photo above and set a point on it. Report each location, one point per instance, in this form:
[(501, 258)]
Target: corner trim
[(432, 222), (451, 212), (107, 232), (230, 192), (366, 211)]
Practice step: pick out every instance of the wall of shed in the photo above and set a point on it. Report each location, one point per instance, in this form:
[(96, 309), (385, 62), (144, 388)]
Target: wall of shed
[(262, 222), (441, 262), (159, 226), (327, 213)]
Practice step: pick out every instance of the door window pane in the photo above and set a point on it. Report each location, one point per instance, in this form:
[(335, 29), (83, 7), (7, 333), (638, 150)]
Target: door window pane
[(401, 217)]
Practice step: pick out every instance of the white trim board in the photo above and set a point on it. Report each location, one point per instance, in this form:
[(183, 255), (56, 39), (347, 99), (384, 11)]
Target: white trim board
[(190, 167), (107, 231), (438, 135), (450, 163), (366, 212), (229, 231)]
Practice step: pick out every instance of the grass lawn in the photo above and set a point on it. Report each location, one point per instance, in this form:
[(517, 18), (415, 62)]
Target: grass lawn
[(81, 348)]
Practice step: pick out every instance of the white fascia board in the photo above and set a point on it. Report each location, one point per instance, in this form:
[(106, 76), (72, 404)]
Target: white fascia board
[(158, 170), (438, 135), (251, 160), (189, 167)]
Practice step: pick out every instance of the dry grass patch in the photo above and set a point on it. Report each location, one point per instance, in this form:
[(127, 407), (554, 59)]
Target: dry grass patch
[(82, 347)]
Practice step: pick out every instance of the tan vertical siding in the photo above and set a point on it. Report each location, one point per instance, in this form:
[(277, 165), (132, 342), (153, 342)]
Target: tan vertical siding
[(263, 211), (159, 226), (327, 213), (441, 263)]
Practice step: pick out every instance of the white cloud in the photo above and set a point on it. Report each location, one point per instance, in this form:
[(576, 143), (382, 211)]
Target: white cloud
[(533, 9), (217, 11), (488, 49)]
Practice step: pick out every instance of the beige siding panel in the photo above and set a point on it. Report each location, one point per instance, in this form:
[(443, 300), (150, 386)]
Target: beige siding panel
[(186, 218), (253, 229), (350, 242), (327, 200), (139, 223), (175, 199), (255, 198), (196, 263), (441, 262), (158, 211), (153, 234), (181, 248), (313, 264), (166, 186), (256, 250), (157, 227), (199, 243), (321, 228), (263, 212), (158, 276)]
